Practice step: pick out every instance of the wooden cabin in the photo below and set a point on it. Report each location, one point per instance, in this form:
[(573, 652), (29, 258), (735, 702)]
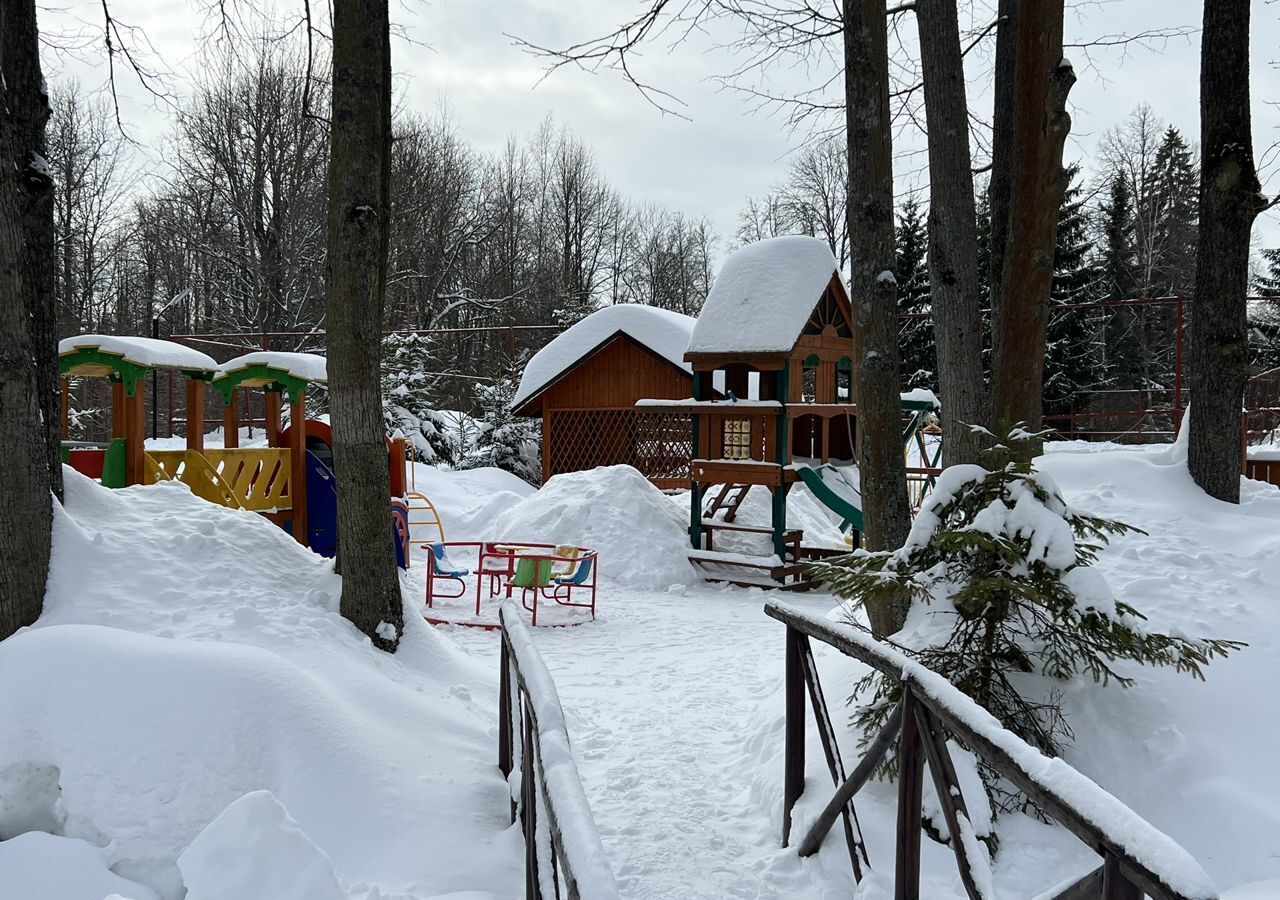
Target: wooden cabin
[(585, 384)]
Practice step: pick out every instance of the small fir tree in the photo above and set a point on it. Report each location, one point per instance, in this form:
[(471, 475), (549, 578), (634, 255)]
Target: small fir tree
[(999, 569), (915, 334), (505, 441)]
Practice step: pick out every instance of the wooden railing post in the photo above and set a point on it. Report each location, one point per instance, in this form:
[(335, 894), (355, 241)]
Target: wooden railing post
[(793, 753), (504, 711), (906, 877), (1115, 884)]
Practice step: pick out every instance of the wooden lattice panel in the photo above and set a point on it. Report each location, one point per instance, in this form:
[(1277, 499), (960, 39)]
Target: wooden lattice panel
[(657, 443)]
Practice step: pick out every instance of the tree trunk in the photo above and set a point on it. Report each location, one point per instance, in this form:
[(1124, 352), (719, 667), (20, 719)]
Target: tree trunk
[(29, 111), (26, 523), (953, 233), (359, 207), (873, 291), (1230, 199), (1032, 82)]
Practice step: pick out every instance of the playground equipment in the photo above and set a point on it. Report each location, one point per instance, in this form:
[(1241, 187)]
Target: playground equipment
[(554, 572), (290, 481), (774, 402)]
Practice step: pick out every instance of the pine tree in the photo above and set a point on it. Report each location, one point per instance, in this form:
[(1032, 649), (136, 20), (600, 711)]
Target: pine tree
[(999, 570), (1072, 352), (505, 441), (915, 334)]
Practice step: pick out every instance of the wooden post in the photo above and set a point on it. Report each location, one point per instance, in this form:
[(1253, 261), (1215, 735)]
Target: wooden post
[(65, 384), (298, 464), (1115, 886), (546, 443), (504, 711), (793, 751), (230, 422), (906, 876), (195, 414), (135, 434), (119, 413), (271, 404)]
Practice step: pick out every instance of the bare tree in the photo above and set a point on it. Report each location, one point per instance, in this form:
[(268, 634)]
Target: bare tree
[(953, 232), (1230, 199), (873, 291), (359, 216), (1031, 126), (30, 466)]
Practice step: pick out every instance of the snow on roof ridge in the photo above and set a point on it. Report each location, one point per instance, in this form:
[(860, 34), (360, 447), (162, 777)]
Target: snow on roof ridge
[(663, 331), (306, 366), (150, 352), (763, 296)]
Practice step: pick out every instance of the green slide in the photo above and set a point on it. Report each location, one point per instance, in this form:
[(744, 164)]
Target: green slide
[(849, 514)]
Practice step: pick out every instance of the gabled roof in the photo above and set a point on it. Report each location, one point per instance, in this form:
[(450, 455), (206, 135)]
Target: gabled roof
[(763, 296), (662, 332)]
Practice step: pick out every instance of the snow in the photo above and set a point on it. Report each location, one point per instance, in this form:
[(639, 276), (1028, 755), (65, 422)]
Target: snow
[(306, 366), (664, 332), (470, 501), (580, 839), (40, 866), (150, 352), (190, 654), (191, 657), (642, 541), (254, 850), (763, 296), (921, 395)]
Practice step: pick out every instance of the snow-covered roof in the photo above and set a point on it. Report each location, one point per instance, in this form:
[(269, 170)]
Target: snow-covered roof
[(149, 352), (306, 366), (763, 296), (664, 332)]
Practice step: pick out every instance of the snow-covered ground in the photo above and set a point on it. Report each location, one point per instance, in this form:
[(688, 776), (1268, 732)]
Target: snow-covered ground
[(191, 660)]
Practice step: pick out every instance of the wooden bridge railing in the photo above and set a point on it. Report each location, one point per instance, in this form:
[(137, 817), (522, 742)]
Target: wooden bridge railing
[(1137, 859), (562, 847)]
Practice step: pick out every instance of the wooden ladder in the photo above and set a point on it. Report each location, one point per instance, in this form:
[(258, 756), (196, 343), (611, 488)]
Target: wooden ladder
[(729, 499)]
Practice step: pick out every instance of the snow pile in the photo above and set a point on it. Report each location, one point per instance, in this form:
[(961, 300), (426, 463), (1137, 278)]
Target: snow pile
[(641, 538), (191, 654), (763, 296), (306, 366), (469, 500), (664, 332), (255, 850), (149, 352)]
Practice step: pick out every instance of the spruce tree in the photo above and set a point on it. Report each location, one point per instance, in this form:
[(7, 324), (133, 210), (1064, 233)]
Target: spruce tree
[(1264, 317), (999, 569), (408, 392), (1174, 194), (915, 332), (1072, 351), (505, 441)]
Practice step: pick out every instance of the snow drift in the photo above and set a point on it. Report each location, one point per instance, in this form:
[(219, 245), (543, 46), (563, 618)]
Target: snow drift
[(190, 655), (614, 510)]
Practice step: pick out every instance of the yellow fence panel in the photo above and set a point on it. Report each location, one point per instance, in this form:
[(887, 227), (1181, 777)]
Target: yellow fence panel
[(260, 477), (193, 470)]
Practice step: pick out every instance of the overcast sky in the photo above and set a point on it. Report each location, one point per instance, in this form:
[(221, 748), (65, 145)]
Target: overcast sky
[(457, 52)]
